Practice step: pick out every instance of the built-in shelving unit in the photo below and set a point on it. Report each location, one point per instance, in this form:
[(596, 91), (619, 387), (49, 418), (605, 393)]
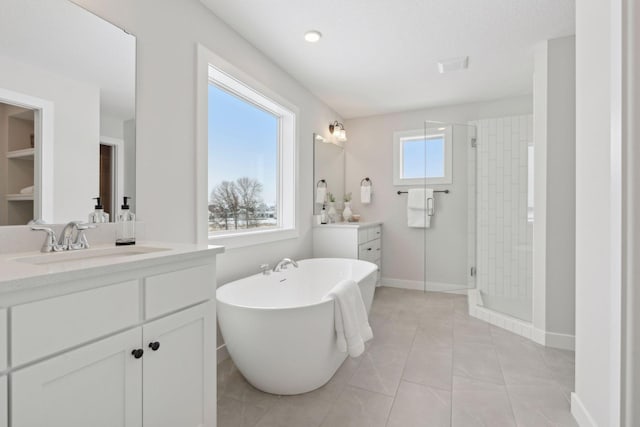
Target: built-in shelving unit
[(25, 154), (19, 197), (17, 155)]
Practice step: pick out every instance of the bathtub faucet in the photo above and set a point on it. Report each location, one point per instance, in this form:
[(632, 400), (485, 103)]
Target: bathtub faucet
[(283, 264)]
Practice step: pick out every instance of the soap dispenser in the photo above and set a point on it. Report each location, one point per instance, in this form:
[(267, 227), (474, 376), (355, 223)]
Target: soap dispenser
[(323, 216), (126, 233), (98, 216)]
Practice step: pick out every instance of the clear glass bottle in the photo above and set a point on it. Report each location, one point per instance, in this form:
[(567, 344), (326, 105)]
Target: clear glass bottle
[(126, 227), (98, 216)]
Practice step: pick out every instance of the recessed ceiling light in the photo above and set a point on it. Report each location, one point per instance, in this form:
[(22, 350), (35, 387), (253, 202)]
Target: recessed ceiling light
[(312, 36), (453, 64)]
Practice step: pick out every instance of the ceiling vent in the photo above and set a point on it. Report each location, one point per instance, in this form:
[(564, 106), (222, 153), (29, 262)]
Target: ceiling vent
[(453, 64)]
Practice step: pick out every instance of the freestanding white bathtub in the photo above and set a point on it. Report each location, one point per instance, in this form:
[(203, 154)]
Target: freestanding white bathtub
[(280, 332)]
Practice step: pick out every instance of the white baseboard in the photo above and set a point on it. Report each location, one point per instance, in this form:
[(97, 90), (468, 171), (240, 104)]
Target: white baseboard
[(561, 341), (580, 413), (517, 326), (539, 336), (419, 285), (222, 354)]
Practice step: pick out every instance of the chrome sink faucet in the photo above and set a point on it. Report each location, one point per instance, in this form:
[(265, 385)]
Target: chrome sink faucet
[(283, 264), (66, 242)]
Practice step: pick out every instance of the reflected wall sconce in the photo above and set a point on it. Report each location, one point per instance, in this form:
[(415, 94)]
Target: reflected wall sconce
[(337, 130)]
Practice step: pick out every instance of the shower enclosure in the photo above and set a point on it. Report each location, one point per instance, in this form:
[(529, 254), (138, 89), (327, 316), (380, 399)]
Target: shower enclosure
[(479, 238)]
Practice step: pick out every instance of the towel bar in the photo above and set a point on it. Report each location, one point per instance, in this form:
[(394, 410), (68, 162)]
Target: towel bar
[(435, 191)]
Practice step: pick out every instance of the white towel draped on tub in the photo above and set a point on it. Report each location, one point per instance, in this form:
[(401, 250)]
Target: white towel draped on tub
[(352, 323), (419, 211)]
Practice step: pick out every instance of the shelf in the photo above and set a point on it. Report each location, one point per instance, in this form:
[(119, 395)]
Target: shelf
[(19, 197), (26, 154)]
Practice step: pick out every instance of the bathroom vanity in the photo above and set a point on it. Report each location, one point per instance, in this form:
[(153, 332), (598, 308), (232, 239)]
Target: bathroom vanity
[(358, 240), (108, 337)]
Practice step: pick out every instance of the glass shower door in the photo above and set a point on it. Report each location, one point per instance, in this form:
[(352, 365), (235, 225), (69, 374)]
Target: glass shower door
[(504, 216), (449, 183)]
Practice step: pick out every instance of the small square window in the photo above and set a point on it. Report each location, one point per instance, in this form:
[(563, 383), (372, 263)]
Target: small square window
[(422, 157)]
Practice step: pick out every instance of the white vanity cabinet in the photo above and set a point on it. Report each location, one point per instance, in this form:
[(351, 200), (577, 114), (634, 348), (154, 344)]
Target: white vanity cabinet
[(177, 376), (96, 385), (4, 398), (4, 402), (349, 240), (130, 349)]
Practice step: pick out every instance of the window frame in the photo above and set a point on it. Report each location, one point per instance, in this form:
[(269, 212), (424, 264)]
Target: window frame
[(213, 69), (398, 143)]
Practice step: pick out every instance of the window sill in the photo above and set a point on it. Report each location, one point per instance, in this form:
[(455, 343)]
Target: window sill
[(253, 238)]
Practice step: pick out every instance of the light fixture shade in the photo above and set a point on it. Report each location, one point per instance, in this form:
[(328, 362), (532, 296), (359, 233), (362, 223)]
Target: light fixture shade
[(337, 130), (313, 36)]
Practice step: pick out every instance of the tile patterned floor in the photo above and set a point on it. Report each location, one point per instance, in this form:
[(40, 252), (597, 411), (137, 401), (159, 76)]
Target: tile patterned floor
[(429, 364)]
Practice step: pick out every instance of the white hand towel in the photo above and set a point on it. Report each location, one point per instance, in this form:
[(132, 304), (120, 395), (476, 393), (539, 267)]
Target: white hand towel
[(321, 194), (365, 194), (27, 190), (351, 321), (419, 212)]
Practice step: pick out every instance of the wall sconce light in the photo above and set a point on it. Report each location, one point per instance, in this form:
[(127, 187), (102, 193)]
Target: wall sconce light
[(337, 130)]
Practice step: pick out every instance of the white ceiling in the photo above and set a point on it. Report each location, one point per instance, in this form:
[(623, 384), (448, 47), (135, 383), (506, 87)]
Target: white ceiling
[(380, 56), (65, 39)]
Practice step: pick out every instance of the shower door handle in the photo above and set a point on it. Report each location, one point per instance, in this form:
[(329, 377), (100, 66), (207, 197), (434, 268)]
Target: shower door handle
[(431, 207)]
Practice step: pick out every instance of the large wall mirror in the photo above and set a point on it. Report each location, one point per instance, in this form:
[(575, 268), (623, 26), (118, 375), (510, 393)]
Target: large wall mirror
[(67, 112), (328, 165)]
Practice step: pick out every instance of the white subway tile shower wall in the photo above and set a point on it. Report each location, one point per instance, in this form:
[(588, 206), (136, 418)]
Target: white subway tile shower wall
[(504, 235)]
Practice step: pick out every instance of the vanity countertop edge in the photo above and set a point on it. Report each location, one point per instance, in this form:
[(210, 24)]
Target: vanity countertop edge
[(16, 276), (349, 224)]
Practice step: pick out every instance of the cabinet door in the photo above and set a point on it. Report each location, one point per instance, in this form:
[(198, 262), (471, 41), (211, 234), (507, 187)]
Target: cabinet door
[(179, 376), (4, 402), (98, 385)]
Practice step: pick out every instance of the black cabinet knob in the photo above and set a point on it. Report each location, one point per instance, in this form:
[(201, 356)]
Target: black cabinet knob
[(155, 345), (137, 353), (368, 249)]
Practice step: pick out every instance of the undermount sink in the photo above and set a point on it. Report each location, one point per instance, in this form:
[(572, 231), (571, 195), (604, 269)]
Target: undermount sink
[(85, 254)]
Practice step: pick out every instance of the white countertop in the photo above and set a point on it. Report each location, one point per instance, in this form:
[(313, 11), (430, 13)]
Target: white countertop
[(16, 275), (348, 224)]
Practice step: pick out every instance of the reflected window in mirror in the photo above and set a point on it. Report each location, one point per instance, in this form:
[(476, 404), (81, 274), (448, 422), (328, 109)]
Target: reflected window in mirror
[(55, 65)]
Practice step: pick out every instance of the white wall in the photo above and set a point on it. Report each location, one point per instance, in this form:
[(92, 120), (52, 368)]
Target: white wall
[(631, 213), (369, 152), (167, 34), (554, 231), (76, 134), (597, 398), (111, 127)]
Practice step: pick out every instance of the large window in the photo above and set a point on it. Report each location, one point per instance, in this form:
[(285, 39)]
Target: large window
[(251, 160), (422, 157)]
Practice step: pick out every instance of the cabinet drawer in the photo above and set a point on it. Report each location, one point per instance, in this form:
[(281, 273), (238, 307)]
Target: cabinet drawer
[(363, 235), (48, 326), (171, 291), (374, 232), (369, 251), (4, 345)]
